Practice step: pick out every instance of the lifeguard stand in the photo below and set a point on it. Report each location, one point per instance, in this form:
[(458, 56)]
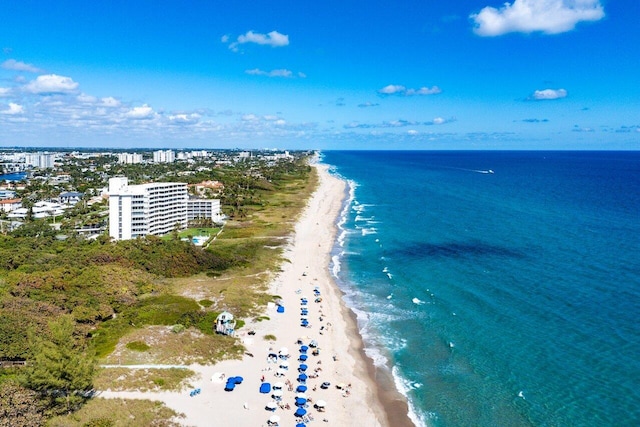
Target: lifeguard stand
[(225, 323)]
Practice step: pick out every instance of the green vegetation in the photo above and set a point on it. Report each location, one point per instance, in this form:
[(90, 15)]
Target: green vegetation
[(122, 379), (270, 337), (118, 412), (138, 346), (62, 367)]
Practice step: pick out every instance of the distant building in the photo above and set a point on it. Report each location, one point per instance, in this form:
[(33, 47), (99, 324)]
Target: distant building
[(70, 197), (129, 158), (204, 209), (164, 156), (7, 194), (40, 160), (8, 205)]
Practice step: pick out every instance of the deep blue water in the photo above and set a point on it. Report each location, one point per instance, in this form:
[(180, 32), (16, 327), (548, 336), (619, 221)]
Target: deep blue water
[(498, 299)]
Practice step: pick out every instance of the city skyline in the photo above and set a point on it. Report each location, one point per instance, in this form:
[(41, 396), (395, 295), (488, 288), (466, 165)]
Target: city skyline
[(527, 74)]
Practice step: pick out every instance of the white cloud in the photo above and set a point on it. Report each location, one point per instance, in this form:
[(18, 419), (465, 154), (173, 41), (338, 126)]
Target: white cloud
[(4, 91), (401, 90), (51, 83), (110, 102), (438, 121), (144, 112), (424, 91), (184, 118), (273, 39), (87, 99), (548, 94), (273, 73), (392, 89), (527, 16), (12, 64), (13, 109)]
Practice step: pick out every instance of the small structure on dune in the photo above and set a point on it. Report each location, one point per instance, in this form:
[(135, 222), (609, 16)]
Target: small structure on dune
[(225, 323)]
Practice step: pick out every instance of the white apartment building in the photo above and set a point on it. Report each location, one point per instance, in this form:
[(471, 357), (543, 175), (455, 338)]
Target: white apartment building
[(40, 160), (138, 210), (164, 156), (204, 208), (129, 158)]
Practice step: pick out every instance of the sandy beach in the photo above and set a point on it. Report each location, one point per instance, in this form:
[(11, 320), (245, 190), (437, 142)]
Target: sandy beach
[(354, 392)]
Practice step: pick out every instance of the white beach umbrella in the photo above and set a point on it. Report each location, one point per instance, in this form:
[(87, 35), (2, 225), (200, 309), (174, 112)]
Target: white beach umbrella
[(321, 403), (284, 364), (277, 393), (280, 373), (274, 419), (284, 351), (278, 385), (271, 405), (301, 396)]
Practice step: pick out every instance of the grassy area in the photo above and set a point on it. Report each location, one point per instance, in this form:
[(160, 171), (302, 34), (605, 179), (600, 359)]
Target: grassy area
[(121, 413), (123, 379), (168, 347)]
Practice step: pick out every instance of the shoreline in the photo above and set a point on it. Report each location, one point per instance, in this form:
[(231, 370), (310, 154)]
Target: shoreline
[(358, 389), (393, 404)]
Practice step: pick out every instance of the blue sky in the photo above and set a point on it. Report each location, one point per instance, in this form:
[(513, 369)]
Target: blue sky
[(475, 74)]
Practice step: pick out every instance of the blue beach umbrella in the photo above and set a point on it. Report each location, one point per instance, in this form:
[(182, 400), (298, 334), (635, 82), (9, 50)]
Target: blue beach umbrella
[(300, 412), (237, 380), (303, 367), (265, 388), (301, 388), (300, 401), (303, 349), (301, 425), (303, 357), (302, 377)]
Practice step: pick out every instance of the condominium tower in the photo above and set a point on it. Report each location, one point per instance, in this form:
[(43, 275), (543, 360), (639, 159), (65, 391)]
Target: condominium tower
[(154, 208)]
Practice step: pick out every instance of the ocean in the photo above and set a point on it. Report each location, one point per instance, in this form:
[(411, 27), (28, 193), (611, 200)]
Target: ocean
[(500, 288)]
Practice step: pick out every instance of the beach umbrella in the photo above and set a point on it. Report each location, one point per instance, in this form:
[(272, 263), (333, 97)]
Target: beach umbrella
[(303, 349), (284, 364), (277, 393), (280, 373), (280, 309), (303, 357), (229, 386), (271, 406), (313, 343), (301, 425), (303, 367), (301, 396), (321, 404), (341, 386), (300, 412), (300, 401), (237, 380), (284, 351), (278, 385), (274, 419), (302, 377), (301, 388), (265, 388)]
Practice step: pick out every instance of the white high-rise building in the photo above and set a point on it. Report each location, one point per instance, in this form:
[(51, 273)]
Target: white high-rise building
[(164, 156), (139, 210), (129, 158)]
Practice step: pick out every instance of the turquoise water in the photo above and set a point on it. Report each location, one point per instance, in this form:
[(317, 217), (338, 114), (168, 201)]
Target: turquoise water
[(498, 299)]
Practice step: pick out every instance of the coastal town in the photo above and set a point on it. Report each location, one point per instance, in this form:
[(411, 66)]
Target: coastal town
[(71, 188)]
